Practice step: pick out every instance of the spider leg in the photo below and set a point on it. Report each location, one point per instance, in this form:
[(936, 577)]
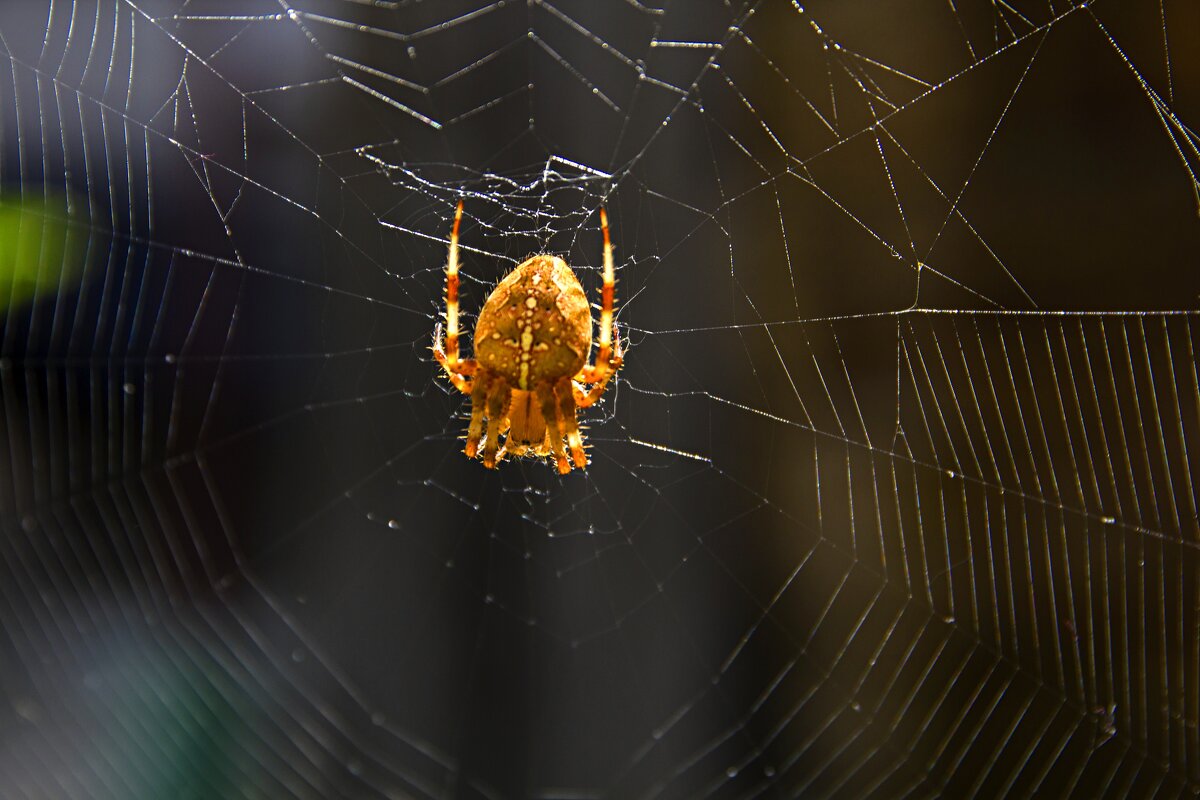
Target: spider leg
[(516, 450), (606, 299), (585, 398), (452, 290), (479, 392), (463, 366), (569, 422), (608, 353), (545, 393), (457, 373), (505, 426), (498, 397), (448, 358)]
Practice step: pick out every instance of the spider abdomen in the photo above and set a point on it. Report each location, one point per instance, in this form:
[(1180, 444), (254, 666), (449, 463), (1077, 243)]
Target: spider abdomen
[(536, 324)]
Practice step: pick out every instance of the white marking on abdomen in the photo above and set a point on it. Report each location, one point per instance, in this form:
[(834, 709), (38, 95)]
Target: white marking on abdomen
[(526, 346)]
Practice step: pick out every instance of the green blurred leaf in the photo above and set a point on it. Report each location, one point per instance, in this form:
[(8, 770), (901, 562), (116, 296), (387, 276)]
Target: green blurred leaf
[(42, 250)]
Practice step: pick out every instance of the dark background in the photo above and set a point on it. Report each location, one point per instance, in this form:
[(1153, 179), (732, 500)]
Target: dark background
[(893, 497)]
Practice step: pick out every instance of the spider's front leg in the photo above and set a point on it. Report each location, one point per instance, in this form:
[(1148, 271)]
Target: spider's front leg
[(608, 353), (458, 370), (598, 375)]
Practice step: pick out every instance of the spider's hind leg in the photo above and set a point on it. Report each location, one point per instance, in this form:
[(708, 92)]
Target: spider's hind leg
[(497, 406), (479, 393), (569, 423), (554, 428)]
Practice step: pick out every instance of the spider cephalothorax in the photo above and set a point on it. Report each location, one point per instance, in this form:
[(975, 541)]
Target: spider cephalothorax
[(530, 372)]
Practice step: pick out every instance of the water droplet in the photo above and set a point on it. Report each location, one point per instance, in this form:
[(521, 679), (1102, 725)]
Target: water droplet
[(27, 709)]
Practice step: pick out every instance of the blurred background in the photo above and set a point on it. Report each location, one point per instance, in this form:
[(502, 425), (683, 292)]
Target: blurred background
[(893, 497)]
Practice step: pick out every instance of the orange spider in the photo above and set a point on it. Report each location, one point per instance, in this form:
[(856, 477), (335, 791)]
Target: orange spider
[(530, 372)]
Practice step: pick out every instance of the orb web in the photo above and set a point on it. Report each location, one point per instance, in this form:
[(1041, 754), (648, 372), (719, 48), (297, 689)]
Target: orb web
[(894, 495)]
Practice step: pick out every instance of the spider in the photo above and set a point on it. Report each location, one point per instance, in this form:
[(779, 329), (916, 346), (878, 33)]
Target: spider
[(530, 373)]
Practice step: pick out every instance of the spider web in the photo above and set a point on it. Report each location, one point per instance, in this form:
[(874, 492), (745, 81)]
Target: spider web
[(894, 495)]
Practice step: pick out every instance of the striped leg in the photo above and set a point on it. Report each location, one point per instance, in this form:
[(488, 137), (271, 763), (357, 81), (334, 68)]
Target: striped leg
[(452, 291), (498, 398), (607, 361), (606, 298), (448, 357), (457, 373), (587, 397), (569, 422), (554, 429), (479, 392)]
